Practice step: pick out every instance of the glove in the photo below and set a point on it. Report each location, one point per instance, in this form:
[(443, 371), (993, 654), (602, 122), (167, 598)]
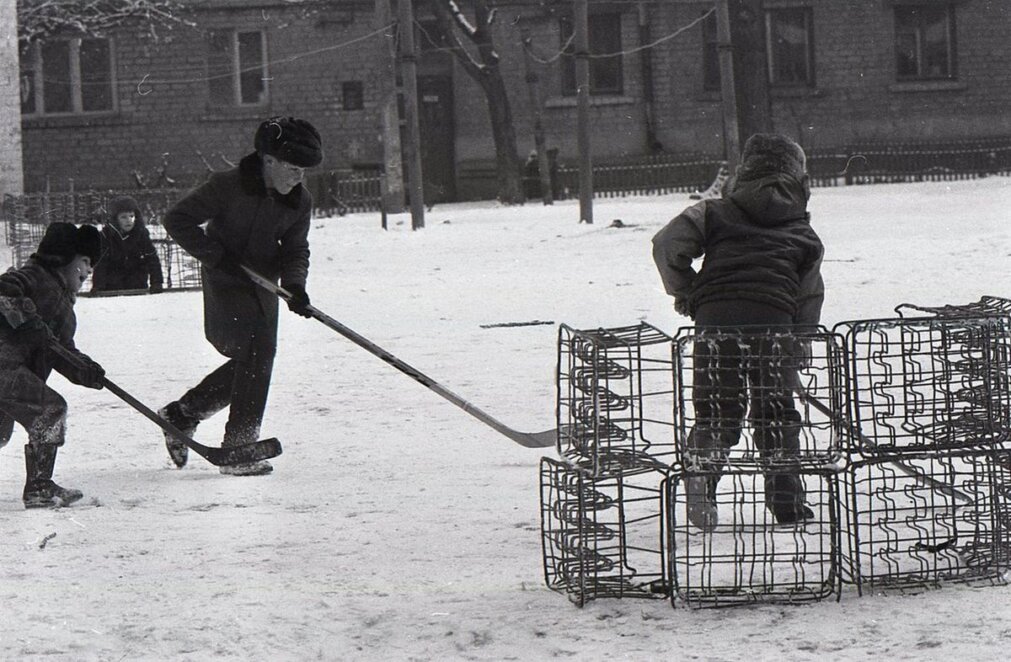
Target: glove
[(681, 308), (18, 310), (231, 266), (156, 288), (91, 373), (298, 303)]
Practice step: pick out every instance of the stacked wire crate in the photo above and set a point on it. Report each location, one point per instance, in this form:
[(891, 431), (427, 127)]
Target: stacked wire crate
[(602, 502), (926, 494), (751, 408)]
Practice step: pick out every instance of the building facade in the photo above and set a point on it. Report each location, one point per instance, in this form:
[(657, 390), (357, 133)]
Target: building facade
[(130, 109)]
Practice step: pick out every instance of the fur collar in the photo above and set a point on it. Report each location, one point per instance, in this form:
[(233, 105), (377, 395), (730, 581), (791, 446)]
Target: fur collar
[(251, 177)]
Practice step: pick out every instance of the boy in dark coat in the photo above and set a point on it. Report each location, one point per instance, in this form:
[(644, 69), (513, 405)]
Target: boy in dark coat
[(762, 270), (37, 307), (256, 215), (130, 261)]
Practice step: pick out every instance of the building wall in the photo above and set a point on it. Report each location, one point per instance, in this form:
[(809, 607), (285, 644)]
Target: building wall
[(162, 102), (162, 93)]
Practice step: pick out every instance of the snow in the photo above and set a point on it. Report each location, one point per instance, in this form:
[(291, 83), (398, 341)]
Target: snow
[(397, 527)]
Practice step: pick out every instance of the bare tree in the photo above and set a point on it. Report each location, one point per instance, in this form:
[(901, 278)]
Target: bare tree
[(471, 43), (38, 19)]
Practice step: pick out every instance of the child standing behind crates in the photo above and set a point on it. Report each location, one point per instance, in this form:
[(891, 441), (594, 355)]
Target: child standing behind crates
[(760, 275)]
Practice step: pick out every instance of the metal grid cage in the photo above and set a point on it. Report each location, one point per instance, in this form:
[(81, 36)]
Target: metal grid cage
[(614, 394), (602, 537), (778, 392), (919, 522), (747, 557), (928, 384)]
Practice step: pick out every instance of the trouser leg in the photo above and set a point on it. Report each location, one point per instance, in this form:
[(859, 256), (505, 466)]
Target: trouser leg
[(249, 389), (25, 397), (211, 395)]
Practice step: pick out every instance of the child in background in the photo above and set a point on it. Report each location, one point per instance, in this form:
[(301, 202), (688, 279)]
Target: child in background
[(130, 261)]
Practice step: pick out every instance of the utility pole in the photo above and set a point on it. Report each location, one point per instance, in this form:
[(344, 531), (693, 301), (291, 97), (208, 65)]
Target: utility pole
[(12, 180), (581, 39), (751, 66), (725, 48), (409, 80), (392, 181)]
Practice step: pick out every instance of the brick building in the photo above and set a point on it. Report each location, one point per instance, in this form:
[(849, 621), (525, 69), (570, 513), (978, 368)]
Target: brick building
[(107, 112)]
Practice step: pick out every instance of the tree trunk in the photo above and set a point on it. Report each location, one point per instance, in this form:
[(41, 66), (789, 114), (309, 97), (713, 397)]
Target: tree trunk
[(751, 73), (507, 161)]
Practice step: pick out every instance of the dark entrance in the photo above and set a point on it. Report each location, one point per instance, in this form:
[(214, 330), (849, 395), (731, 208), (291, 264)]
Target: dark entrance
[(438, 148)]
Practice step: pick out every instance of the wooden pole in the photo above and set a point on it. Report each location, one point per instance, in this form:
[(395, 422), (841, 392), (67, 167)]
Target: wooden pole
[(728, 90), (582, 51), (409, 78), (392, 187)]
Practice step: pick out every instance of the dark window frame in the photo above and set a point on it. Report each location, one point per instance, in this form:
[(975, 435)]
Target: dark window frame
[(352, 95), (56, 81), (237, 78), (607, 76), (917, 17), (777, 54)]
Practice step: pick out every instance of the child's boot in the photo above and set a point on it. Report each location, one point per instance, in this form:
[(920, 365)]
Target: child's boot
[(40, 490), (174, 414), (784, 496)]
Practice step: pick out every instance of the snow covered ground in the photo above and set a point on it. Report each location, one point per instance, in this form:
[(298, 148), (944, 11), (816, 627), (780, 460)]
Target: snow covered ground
[(397, 527)]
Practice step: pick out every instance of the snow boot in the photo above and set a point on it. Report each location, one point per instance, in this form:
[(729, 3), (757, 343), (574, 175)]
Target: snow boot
[(258, 468), (40, 490), (784, 497), (177, 450), (700, 494)]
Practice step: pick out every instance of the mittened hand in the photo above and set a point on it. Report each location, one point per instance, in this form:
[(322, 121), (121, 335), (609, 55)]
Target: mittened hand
[(681, 308), (17, 310), (298, 302), (92, 374)]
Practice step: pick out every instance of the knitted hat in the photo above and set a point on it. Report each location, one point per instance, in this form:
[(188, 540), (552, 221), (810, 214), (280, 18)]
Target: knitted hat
[(767, 154), (63, 241), (290, 139)]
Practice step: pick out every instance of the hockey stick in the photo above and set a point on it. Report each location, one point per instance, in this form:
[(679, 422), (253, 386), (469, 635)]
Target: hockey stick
[(527, 439), (867, 442), (258, 450)]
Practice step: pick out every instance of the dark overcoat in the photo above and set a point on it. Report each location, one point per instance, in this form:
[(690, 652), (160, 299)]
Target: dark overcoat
[(234, 214), (130, 260)]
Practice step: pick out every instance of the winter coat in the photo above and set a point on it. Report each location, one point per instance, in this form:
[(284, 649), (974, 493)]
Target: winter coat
[(758, 245), (264, 230), (130, 260), (54, 304)]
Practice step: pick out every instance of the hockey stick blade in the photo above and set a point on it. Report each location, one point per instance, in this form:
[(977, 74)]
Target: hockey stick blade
[(258, 450), (525, 439)]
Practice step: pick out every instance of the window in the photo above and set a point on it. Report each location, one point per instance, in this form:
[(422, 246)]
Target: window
[(790, 46), (236, 68), (710, 54), (353, 95), (67, 76), (924, 48), (604, 38)]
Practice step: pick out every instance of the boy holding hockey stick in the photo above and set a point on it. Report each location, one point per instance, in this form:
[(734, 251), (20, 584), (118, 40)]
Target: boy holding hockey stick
[(761, 273), (36, 308)]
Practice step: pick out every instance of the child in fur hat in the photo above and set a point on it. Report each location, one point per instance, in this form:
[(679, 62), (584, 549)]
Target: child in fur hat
[(761, 272), (130, 261), (37, 308)]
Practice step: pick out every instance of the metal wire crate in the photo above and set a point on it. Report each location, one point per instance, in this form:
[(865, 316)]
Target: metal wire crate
[(948, 521), (602, 537), (928, 384), (778, 392), (747, 557), (614, 399)]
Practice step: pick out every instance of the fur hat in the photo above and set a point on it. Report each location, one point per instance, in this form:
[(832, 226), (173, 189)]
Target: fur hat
[(290, 139), (63, 241), (121, 204), (767, 154)]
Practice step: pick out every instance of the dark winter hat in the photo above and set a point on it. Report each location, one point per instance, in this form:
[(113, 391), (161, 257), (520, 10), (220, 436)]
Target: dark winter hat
[(290, 139), (63, 241), (122, 204), (767, 154)]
